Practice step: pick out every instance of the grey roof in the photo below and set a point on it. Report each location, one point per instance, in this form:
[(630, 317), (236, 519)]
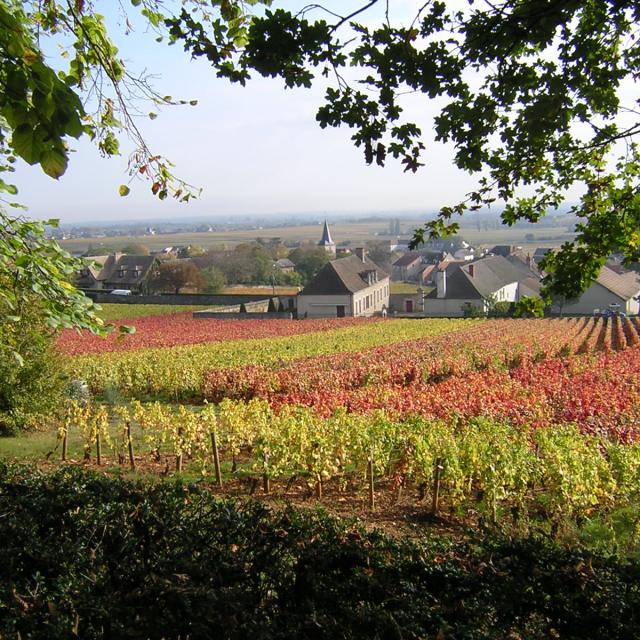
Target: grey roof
[(625, 286), (407, 259), (344, 276), (490, 274), (541, 252), (285, 263), (128, 265), (326, 240), (501, 250)]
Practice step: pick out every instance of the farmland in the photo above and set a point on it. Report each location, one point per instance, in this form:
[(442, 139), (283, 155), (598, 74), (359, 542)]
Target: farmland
[(477, 418), (482, 419), (514, 443)]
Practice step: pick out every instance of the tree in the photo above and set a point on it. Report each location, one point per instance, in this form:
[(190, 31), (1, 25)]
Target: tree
[(43, 108), (214, 280), (538, 96), (379, 253), (174, 276), (529, 307), (32, 390), (309, 260), (135, 249)]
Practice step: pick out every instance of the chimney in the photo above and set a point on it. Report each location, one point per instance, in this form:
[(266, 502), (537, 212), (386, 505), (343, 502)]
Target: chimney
[(471, 270), (441, 283), (360, 252)]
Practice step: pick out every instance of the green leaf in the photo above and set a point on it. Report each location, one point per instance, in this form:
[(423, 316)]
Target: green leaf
[(54, 163), (26, 144)]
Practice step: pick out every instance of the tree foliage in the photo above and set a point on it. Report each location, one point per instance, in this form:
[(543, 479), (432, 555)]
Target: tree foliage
[(29, 391), (537, 98), (173, 276), (214, 280), (34, 267), (309, 260)]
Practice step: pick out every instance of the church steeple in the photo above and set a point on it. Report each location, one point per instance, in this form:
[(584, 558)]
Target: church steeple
[(326, 242)]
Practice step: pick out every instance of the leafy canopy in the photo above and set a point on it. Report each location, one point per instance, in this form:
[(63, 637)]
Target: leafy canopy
[(539, 96)]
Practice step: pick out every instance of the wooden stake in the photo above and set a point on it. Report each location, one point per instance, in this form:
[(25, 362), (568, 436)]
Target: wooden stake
[(216, 458), (179, 456), (132, 460), (372, 494), (98, 449), (319, 488), (266, 483), (65, 443), (437, 474)]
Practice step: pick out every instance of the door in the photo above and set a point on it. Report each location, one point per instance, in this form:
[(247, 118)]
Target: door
[(340, 311), (408, 306)]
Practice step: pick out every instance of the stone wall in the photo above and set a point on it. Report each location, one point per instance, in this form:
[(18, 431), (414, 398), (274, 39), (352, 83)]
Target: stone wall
[(187, 299)]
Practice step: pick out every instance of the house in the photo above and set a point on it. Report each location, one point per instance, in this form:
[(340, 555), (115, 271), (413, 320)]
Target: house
[(539, 254), (285, 265), (427, 275), (347, 287), (406, 267), (609, 288), (117, 271), (463, 288), (168, 253), (465, 254), (326, 242), (504, 250), (398, 244)]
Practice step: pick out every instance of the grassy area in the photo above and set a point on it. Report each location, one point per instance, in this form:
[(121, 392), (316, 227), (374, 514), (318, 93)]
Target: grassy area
[(265, 290), (403, 287), (34, 446), (111, 312)]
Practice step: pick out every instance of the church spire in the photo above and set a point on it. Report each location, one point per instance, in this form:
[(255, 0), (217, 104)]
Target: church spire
[(326, 241)]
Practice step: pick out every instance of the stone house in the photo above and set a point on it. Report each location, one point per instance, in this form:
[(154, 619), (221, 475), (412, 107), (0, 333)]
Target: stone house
[(117, 271), (347, 287)]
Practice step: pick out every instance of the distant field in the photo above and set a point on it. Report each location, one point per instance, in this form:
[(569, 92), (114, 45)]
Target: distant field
[(111, 312), (356, 233), (544, 236)]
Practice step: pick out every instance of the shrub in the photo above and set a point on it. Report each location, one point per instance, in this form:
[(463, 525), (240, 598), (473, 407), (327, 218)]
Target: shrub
[(31, 385), (91, 557)]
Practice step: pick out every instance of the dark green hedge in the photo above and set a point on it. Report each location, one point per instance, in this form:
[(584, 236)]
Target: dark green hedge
[(88, 556)]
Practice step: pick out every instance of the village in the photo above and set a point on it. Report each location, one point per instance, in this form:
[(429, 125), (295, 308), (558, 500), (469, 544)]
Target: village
[(441, 278)]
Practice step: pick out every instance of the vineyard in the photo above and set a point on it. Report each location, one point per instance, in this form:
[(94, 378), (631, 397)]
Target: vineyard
[(509, 422)]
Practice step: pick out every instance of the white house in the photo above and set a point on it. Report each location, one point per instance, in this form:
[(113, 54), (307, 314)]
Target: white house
[(348, 287), (462, 287), (609, 288)]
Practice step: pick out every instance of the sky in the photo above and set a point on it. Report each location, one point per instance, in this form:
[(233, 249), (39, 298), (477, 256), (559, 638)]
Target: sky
[(252, 150)]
